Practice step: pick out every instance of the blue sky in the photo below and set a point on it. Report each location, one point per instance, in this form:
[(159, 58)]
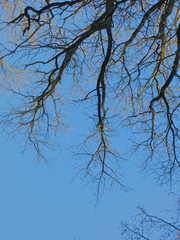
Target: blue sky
[(41, 203)]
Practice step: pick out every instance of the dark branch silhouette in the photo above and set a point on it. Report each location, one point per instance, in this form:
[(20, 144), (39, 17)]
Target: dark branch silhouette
[(119, 57)]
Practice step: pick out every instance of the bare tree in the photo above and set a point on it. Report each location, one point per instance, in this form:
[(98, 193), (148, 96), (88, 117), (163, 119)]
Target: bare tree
[(118, 58), (146, 226)]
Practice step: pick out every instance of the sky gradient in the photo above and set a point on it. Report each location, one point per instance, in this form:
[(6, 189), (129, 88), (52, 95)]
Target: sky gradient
[(41, 202)]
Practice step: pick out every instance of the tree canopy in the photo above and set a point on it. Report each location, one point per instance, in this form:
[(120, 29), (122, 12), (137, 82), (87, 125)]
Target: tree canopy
[(118, 59), (147, 226)]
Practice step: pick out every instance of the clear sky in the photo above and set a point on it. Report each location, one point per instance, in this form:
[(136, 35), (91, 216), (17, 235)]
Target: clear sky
[(42, 203)]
